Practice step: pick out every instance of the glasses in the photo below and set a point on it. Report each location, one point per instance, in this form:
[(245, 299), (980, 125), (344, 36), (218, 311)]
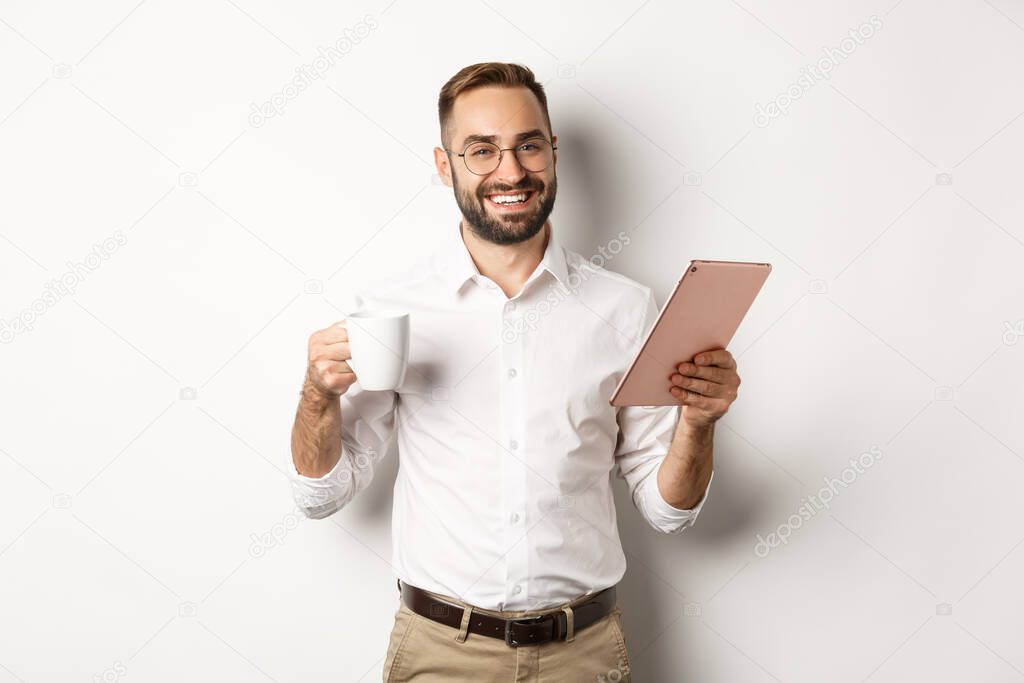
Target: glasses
[(483, 158)]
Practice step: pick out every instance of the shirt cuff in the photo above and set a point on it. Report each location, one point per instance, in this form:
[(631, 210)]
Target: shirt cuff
[(325, 479), (319, 497), (672, 519)]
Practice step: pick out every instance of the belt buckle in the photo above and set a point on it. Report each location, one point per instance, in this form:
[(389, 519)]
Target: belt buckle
[(509, 640)]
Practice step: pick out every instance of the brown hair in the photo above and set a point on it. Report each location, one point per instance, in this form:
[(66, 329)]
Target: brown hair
[(484, 74)]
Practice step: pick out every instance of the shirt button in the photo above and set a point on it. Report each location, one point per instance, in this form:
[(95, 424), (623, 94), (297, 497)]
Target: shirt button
[(515, 517), (510, 306), (512, 372), (517, 589), (514, 444)]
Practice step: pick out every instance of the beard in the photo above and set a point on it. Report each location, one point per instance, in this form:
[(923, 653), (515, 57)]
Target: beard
[(511, 228)]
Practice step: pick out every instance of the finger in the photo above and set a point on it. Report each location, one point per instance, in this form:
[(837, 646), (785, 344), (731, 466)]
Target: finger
[(701, 386), (690, 398), (331, 335), (719, 357), (333, 368), (714, 407), (710, 373), (338, 381), (337, 352)]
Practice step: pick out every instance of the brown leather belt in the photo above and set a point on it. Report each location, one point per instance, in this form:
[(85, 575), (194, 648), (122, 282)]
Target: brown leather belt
[(515, 632)]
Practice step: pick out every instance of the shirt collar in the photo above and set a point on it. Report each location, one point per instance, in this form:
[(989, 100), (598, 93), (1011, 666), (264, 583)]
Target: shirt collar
[(458, 266)]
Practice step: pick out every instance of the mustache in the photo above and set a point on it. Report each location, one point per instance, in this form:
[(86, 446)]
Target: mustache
[(511, 190)]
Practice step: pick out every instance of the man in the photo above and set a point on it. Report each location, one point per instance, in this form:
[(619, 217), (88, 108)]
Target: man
[(505, 540)]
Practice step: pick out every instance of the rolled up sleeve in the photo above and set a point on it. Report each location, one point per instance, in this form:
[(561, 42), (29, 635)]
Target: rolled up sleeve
[(645, 435), (367, 431)]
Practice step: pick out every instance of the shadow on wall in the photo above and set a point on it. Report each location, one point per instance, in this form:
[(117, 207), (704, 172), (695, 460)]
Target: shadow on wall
[(658, 582), (589, 168)]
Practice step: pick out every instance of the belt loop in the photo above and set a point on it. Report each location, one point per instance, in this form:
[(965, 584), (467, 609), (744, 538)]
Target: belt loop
[(570, 633), (467, 612)]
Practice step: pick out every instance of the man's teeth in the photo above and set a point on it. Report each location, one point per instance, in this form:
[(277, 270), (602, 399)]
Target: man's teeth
[(508, 198)]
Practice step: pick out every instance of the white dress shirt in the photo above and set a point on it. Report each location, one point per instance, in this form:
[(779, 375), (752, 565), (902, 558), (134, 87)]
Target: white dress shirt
[(506, 441)]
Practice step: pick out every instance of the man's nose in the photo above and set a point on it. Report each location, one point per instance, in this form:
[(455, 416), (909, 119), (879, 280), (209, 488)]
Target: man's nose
[(509, 168)]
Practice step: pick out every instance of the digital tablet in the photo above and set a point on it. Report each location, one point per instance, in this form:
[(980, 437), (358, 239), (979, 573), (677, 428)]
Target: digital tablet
[(703, 313)]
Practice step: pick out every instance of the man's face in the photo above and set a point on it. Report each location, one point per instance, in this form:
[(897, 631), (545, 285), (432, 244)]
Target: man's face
[(506, 114)]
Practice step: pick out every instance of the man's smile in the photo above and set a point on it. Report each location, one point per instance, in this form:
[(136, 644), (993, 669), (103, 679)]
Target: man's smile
[(509, 202)]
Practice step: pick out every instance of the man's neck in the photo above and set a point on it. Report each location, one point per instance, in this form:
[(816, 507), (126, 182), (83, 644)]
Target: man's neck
[(508, 265)]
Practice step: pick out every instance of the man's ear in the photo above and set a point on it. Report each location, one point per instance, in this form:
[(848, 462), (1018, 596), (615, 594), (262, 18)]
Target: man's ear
[(554, 154), (444, 168)]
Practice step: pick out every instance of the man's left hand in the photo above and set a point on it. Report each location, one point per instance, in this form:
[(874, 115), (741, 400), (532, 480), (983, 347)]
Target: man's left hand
[(707, 386)]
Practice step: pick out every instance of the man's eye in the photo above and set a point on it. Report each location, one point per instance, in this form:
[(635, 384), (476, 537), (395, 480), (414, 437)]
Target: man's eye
[(481, 152), (529, 147)]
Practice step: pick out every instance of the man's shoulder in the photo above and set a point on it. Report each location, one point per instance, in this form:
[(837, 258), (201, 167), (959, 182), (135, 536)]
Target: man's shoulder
[(591, 274), (621, 301)]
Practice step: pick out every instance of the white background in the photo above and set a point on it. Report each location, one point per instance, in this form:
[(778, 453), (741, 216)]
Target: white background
[(145, 417)]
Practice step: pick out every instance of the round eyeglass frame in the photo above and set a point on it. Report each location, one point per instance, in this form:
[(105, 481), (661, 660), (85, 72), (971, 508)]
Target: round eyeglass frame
[(501, 152)]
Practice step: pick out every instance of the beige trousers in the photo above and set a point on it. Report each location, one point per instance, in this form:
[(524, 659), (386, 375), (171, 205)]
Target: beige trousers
[(421, 650)]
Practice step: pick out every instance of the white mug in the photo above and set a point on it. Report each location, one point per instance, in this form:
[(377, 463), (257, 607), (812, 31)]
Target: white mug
[(379, 344)]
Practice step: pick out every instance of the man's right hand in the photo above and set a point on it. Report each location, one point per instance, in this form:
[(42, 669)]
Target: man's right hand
[(328, 372)]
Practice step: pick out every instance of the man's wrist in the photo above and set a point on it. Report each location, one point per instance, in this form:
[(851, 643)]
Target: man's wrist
[(700, 429), (694, 434), (315, 397)]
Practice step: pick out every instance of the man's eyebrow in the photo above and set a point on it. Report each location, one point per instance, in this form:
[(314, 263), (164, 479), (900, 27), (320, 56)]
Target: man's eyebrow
[(535, 133)]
